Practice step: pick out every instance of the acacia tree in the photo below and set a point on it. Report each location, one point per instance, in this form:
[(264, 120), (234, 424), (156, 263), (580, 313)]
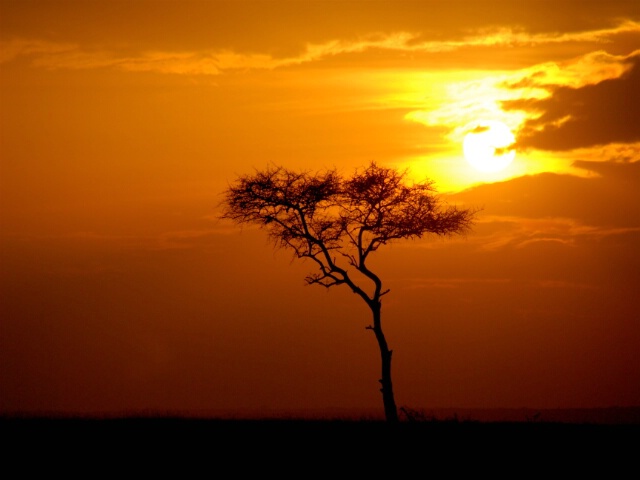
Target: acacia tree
[(338, 222)]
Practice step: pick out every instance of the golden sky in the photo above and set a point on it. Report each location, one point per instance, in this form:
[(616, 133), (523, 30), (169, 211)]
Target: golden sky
[(122, 122)]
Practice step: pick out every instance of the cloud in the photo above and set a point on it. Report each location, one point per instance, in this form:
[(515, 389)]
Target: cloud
[(218, 61), (538, 81), (565, 210), (585, 116), (12, 49), (510, 37), (479, 129), (52, 55), (526, 232)]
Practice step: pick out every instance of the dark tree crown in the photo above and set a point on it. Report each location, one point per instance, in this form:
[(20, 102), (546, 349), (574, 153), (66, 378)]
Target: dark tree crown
[(319, 215)]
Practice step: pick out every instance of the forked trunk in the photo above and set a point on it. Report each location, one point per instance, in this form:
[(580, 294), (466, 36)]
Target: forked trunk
[(388, 399)]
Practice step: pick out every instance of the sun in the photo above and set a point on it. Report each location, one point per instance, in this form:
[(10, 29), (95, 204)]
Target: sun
[(488, 145)]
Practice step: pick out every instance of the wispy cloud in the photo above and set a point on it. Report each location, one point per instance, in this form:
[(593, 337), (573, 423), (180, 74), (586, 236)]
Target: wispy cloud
[(12, 49), (518, 232), (215, 62), (588, 69)]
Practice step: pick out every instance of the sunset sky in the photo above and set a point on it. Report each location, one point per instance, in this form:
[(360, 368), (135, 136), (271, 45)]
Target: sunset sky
[(123, 122)]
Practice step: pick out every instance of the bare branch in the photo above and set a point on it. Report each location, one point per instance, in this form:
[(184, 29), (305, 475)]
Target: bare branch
[(314, 214)]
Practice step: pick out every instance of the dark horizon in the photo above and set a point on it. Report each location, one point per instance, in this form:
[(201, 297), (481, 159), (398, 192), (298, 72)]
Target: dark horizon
[(594, 416)]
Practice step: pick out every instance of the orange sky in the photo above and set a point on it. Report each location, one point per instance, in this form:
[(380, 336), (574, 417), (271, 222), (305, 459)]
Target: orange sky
[(121, 124)]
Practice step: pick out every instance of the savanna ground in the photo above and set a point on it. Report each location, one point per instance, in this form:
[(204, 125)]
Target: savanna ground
[(302, 448)]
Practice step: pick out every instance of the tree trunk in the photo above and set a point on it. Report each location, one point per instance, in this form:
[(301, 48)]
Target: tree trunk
[(388, 399)]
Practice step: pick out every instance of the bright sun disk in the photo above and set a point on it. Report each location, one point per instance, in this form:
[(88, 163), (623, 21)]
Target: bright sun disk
[(488, 145)]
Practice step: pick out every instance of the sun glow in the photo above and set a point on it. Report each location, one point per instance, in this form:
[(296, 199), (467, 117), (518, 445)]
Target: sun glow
[(488, 145)]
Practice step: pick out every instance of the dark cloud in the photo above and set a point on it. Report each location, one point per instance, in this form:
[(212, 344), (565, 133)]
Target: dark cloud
[(480, 129), (584, 117), (503, 150), (610, 198)]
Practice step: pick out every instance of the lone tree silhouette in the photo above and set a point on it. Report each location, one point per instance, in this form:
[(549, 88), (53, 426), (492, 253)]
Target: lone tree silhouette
[(338, 222)]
